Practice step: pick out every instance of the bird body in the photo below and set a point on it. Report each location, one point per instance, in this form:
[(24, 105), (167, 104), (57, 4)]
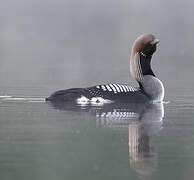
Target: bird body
[(150, 87)]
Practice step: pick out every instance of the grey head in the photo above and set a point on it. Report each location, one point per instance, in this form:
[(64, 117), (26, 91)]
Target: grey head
[(141, 55), (140, 66)]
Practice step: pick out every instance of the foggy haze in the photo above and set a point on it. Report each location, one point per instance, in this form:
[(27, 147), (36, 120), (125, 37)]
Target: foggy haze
[(70, 43)]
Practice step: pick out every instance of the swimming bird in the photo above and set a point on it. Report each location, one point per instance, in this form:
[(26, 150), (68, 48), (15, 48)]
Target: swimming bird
[(150, 87)]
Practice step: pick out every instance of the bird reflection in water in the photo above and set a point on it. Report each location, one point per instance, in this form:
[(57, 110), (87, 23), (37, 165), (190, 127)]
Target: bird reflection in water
[(142, 120), (142, 159)]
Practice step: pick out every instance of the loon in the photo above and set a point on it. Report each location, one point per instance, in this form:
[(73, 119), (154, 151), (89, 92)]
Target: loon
[(150, 87)]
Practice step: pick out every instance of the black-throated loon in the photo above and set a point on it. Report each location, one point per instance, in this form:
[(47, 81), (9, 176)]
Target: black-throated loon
[(150, 88)]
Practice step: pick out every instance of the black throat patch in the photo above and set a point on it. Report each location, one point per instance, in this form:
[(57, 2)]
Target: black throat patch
[(145, 63)]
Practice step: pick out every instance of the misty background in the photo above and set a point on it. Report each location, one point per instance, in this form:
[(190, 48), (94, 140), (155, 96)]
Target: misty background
[(50, 45)]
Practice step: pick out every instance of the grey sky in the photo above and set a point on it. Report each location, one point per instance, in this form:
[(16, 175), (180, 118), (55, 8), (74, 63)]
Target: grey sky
[(80, 43)]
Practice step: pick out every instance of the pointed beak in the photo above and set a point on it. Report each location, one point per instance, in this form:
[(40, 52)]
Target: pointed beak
[(155, 41)]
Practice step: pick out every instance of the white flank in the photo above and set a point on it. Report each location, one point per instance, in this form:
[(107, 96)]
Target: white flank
[(82, 100), (94, 101), (99, 101)]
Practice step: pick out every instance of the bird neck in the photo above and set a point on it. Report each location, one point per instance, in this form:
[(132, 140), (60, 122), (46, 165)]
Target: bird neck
[(140, 68), (140, 65)]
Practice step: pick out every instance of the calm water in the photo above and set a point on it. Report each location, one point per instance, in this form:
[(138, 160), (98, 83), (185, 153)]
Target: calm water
[(50, 45), (39, 140)]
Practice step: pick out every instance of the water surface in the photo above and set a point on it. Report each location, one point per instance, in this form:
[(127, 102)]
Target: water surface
[(39, 140)]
